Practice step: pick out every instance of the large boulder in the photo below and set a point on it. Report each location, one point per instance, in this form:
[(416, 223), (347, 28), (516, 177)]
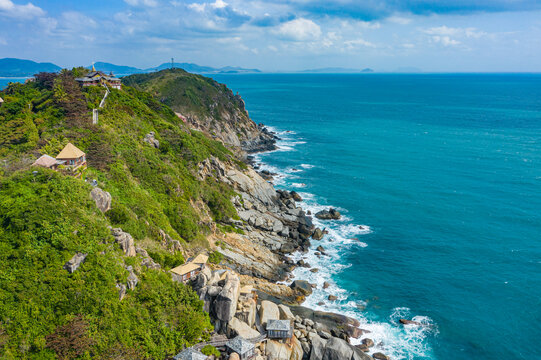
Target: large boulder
[(285, 313), (268, 311), (302, 286), (337, 349), (318, 348), (102, 199), (225, 304), (318, 234), (236, 327), (277, 351), (358, 354), (246, 311), (125, 241), (331, 214)]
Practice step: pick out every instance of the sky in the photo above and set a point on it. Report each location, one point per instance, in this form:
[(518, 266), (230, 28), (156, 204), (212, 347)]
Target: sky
[(279, 35)]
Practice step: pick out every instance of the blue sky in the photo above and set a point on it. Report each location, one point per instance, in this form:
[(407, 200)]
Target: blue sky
[(278, 35)]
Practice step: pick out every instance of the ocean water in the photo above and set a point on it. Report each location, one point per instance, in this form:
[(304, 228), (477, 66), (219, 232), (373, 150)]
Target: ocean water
[(4, 81), (444, 174)]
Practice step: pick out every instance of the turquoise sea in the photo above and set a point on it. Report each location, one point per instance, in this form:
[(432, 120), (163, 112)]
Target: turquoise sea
[(444, 172)]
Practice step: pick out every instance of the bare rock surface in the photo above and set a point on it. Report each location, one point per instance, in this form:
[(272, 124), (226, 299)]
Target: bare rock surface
[(102, 198)]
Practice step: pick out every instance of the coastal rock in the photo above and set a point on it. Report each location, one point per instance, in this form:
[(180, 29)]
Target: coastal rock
[(409, 322), (275, 350), (318, 348), (321, 249), (359, 354), (326, 285), (302, 286), (125, 241), (74, 263), (102, 199), (368, 342), (318, 234), (332, 298), (150, 139), (296, 196), (285, 313), (331, 214), (380, 356), (268, 311), (337, 349), (236, 327), (225, 304)]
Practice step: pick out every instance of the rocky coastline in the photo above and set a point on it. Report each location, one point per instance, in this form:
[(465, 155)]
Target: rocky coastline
[(258, 255)]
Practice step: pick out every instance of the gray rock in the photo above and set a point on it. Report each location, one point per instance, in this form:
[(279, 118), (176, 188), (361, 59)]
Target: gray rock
[(121, 291), (359, 354), (236, 327), (150, 139), (324, 334), (326, 285), (295, 196), (225, 304), (125, 241), (285, 313), (317, 234), (318, 348), (302, 286), (102, 199), (332, 298), (368, 342), (268, 311), (337, 349), (132, 281), (331, 214), (74, 263), (380, 356)]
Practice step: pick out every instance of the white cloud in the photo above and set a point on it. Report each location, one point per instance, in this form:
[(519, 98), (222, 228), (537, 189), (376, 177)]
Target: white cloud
[(350, 44), (10, 9), (149, 3), (218, 4), (445, 40), (469, 32), (299, 30), (399, 20)]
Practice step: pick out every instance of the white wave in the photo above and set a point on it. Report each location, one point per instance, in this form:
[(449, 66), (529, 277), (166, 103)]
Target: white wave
[(307, 166)]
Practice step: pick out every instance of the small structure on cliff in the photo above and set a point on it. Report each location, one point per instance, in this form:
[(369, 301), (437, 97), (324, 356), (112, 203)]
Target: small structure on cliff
[(279, 329), (47, 162), (98, 78), (190, 269), (241, 346), (1, 101), (72, 157), (190, 354)]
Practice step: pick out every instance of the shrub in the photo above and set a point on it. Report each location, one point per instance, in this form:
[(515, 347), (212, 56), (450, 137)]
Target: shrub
[(215, 257), (210, 350)]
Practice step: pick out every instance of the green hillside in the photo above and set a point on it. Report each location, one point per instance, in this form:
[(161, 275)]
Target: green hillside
[(47, 217)]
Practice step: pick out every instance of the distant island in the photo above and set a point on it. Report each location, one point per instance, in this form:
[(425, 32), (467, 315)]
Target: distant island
[(12, 67), (337, 70)]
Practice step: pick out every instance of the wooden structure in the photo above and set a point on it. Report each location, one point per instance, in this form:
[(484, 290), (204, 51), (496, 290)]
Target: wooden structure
[(71, 157), (244, 348), (190, 269), (279, 329), (190, 354), (47, 162), (1, 101), (98, 78)]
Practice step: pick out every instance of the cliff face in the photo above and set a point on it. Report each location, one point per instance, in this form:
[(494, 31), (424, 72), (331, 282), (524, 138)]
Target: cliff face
[(205, 105)]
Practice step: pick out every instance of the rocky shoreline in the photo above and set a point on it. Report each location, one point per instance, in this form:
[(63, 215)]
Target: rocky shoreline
[(258, 254)]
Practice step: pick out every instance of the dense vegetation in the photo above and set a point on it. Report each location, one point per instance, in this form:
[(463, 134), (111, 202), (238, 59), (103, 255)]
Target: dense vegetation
[(47, 217), (197, 97)]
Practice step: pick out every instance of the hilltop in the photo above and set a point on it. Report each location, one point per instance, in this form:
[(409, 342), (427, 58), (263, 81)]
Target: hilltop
[(206, 105)]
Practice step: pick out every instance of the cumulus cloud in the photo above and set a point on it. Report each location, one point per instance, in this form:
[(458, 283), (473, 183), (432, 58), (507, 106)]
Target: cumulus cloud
[(445, 40), (469, 32), (149, 3), (10, 9), (300, 29)]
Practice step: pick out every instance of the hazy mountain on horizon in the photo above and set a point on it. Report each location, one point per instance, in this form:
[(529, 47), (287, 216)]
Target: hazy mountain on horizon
[(12, 67), (337, 70)]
